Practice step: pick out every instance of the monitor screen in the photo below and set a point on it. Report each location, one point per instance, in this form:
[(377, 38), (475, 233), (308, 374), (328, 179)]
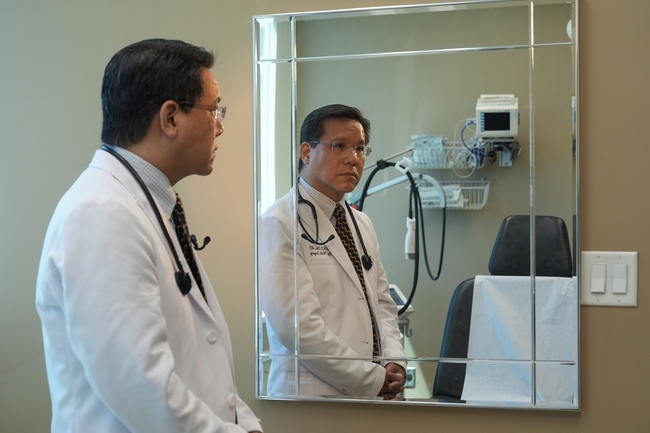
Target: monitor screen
[(399, 300), (496, 121)]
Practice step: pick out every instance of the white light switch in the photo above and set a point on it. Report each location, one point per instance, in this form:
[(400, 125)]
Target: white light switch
[(619, 278), (598, 273), (608, 278)]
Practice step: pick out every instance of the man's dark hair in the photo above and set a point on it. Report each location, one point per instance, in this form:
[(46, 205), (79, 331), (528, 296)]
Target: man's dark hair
[(141, 77), (312, 126)]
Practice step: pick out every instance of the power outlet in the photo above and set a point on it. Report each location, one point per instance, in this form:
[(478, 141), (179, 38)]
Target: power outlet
[(410, 377)]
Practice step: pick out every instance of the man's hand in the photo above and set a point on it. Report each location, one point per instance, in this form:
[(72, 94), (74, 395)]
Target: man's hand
[(394, 382)]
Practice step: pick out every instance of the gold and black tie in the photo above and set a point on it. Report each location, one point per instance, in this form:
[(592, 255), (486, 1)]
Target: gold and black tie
[(343, 230), (183, 233)]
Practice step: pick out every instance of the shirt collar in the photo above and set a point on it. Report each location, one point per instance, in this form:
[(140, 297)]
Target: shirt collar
[(326, 204), (153, 178)]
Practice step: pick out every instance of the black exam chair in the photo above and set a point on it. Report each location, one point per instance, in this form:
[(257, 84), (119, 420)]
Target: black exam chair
[(510, 256)]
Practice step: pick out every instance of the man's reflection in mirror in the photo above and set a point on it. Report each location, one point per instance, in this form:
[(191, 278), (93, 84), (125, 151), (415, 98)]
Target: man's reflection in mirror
[(347, 337)]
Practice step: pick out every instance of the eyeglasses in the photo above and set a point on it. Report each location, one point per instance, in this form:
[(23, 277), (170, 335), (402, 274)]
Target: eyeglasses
[(340, 148), (219, 113)]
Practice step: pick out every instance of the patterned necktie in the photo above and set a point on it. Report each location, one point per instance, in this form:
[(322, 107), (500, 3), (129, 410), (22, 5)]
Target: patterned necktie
[(183, 233), (343, 230)]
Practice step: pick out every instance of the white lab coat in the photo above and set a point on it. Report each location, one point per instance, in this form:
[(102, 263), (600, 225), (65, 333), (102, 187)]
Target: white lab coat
[(333, 315), (125, 351)]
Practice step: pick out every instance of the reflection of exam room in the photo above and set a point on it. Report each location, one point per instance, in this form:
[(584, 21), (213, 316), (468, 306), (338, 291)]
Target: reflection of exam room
[(490, 318), (458, 218), (502, 301)]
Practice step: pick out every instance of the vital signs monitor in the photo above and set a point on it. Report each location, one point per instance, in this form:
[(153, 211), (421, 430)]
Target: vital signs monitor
[(497, 116)]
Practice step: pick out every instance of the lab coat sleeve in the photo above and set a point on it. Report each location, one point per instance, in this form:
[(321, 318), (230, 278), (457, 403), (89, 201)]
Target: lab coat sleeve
[(102, 263), (246, 418), (278, 293)]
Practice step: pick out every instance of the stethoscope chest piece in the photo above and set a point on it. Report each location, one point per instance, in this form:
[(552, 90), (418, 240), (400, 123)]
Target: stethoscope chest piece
[(367, 262)]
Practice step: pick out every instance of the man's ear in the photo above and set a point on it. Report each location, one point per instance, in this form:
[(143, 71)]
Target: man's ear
[(169, 118), (305, 149)]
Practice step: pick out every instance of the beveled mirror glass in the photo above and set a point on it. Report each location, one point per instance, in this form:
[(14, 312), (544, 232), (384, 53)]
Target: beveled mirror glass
[(435, 81)]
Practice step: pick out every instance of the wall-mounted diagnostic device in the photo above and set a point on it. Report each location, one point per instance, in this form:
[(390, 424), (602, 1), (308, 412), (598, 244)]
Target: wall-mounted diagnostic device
[(497, 124), (497, 116)]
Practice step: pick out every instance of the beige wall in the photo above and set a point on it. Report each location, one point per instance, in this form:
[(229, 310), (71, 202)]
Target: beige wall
[(52, 55)]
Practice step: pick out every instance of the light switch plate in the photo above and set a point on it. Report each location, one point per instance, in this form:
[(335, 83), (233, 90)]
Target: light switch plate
[(620, 278), (410, 377)]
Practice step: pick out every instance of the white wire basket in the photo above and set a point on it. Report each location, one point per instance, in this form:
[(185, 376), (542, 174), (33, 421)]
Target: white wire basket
[(435, 152), (459, 195)]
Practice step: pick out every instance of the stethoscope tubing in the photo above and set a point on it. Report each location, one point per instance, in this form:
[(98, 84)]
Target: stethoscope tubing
[(366, 259), (183, 279)]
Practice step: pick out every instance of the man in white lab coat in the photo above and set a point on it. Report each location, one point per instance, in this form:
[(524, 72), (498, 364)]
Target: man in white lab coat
[(347, 334), (125, 349)]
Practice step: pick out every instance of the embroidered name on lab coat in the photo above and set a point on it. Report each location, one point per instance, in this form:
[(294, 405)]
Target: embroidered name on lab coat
[(319, 251)]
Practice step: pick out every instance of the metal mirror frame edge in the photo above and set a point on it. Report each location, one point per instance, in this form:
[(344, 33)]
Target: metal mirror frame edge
[(257, 161)]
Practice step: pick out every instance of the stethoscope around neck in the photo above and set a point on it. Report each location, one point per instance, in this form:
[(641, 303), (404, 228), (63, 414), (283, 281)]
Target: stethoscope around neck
[(366, 259), (183, 279)]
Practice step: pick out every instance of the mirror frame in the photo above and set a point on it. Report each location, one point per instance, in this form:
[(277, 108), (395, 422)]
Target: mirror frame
[(290, 59)]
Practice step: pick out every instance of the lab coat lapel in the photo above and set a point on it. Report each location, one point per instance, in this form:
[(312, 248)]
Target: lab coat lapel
[(325, 230), (196, 295)]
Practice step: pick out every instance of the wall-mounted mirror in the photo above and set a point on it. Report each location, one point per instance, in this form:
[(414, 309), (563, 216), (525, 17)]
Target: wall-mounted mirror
[(477, 101)]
